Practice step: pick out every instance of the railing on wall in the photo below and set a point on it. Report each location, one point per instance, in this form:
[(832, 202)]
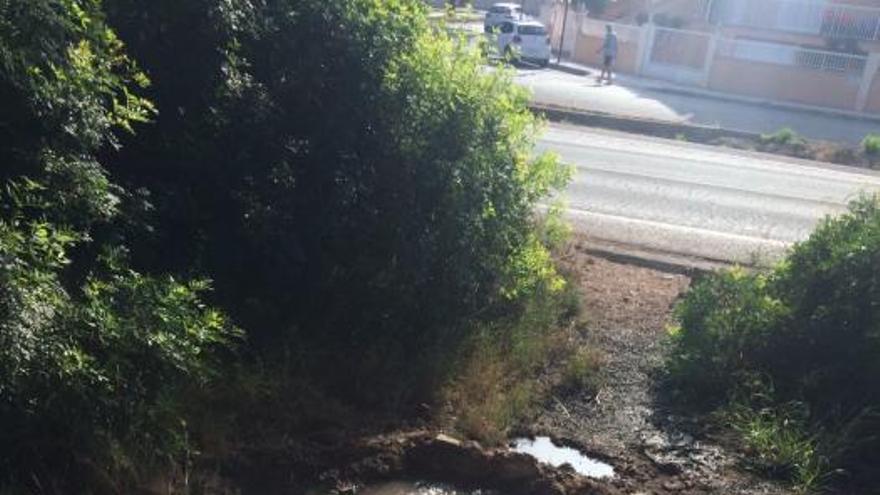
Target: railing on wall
[(776, 53), (851, 22), (815, 17)]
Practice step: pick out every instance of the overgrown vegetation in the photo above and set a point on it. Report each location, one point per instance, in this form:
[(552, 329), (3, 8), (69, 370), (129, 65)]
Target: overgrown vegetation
[(871, 145), (359, 191), (495, 388), (91, 351), (784, 136), (581, 371), (794, 353)]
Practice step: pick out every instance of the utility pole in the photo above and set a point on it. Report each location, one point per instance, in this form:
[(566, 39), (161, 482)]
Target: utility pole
[(562, 34), (522, 8)]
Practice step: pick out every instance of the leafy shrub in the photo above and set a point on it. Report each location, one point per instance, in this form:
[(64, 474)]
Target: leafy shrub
[(363, 207), (727, 324), (784, 136), (86, 374), (370, 196), (871, 144), (810, 327), (91, 352)]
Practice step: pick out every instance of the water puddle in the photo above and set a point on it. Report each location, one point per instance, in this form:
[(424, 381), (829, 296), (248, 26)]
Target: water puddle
[(543, 449), (416, 488)]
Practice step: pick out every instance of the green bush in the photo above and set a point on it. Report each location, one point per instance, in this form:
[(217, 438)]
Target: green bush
[(359, 189), (784, 136), (91, 352), (87, 377), (871, 144), (810, 328), (375, 191)]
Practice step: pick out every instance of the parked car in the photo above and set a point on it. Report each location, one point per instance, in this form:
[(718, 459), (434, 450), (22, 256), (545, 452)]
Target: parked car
[(501, 12), (524, 41)]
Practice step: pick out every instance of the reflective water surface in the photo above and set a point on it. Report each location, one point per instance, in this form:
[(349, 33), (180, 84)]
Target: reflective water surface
[(543, 449), (416, 488)]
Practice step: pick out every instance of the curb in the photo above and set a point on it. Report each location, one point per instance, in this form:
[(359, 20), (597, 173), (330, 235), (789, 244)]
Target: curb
[(659, 128), (758, 102), (561, 67), (654, 263)]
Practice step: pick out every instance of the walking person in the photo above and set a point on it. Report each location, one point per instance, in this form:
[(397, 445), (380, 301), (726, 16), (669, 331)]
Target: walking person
[(609, 54)]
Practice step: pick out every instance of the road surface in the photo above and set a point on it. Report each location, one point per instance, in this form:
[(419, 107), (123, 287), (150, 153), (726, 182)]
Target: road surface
[(647, 99), (702, 202)]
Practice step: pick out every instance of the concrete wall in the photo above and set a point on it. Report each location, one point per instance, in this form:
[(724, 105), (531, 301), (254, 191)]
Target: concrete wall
[(785, 83), (791, 83), (587, 52), (873, 103)]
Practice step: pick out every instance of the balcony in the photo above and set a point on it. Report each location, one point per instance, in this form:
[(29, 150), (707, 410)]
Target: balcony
[(811, 17)]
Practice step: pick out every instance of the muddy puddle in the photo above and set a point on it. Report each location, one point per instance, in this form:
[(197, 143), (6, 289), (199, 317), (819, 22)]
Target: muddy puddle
[(417, 488), (543, 449)]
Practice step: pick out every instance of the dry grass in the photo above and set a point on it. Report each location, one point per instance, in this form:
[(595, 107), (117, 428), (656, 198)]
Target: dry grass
[(581, 371), (509, 370)]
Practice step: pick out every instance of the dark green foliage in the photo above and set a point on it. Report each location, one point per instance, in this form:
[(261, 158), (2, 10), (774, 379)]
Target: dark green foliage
[(871, 145), (360, 191), (90, 351), (784, 136), (84, 372), (809, 328), (347, 178)]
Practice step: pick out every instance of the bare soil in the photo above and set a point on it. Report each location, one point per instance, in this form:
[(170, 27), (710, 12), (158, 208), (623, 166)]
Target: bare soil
[(625, 421)]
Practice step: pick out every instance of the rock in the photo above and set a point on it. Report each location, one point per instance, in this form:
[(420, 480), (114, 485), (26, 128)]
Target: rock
[(510, 467), (673, 486), (444, 457), (444, 438)]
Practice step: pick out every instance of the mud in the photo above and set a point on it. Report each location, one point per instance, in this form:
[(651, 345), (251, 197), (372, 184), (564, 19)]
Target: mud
[(627, 421)]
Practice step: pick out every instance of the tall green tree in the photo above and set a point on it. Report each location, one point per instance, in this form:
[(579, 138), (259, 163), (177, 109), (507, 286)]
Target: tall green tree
[(350, 179), (89, 349)]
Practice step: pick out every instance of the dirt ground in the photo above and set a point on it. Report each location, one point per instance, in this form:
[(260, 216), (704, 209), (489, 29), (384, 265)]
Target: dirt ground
[(624, 422), (627, 309)]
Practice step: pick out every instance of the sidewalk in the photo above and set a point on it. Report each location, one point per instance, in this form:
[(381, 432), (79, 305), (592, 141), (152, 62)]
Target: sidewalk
[(650, 99)]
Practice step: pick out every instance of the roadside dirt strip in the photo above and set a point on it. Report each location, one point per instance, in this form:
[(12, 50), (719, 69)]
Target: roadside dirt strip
[(630, 422)]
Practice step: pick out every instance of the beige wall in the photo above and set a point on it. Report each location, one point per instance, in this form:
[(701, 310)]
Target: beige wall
[(811, 87), (773, 36), (587, 52)]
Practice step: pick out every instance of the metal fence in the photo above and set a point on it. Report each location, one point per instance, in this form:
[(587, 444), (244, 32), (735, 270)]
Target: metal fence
[(851, 22), (801, 16), (775, 53)]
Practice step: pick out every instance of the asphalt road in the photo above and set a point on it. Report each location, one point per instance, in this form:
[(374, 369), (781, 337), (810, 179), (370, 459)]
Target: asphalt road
[(702, 202)]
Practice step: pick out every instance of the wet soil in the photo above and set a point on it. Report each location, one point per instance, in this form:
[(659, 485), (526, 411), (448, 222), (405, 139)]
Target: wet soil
[(654, 449), (626, 422)]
